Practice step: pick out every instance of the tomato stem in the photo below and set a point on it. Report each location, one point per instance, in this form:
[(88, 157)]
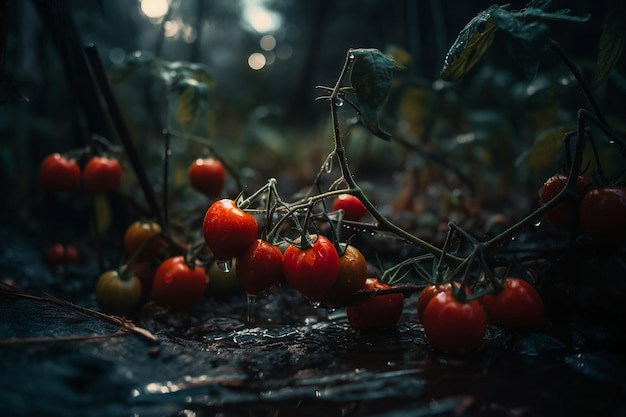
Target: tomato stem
[(340, 154), (122, 130)]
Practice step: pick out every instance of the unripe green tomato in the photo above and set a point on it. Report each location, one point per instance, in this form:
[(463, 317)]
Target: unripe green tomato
[(117, 294), (223, 284)]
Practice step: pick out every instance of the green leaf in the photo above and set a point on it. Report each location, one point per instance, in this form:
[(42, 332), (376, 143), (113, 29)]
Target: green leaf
[(529, 34), (471, 44), (192, 103), (528, 40), (528, 45), (611, 42), (371, 77), (546, 149)]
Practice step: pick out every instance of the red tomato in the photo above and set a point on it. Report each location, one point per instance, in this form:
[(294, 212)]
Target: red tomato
[(376, 312), (228, 230), (260, 267), (177, 285), (102, 175), (517, 305), (207, 176), (58, 173), (142, 240), (603, 214), (560, 215), (352, 207), (116, 293), (429, 292), (312, 271), (59, 254), (351, 278), (451, 324)]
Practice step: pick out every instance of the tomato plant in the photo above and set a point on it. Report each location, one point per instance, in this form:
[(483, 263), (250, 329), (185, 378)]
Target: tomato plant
[(376, 312), (228, 230), (452, 324), (117, 293), (260, 267), (312, 270), (518, 304), (603, 214), (350, 279), (59, 254), (207, 176), (58, 173), (178, 285), (561, 214), (353, 208), (142, 240)]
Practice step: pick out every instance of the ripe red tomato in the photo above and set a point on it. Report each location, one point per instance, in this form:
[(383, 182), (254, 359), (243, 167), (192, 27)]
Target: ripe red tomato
[(260, 267), (58, 173), (351, 278), (376, 312), (312, 271), (116, 293), (207, 176), (603, 214), (142, 240), (59, 254), (560, 215), (352, 207), (102, 175), (429, 292), (517, 305), (177, 285), (228, 230), (451, 324)]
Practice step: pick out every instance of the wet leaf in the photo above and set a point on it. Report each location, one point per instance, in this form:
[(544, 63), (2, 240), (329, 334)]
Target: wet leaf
[(546, 149), (192, 103), (611, 42), (527, 46), (471, 44), (371, 77)]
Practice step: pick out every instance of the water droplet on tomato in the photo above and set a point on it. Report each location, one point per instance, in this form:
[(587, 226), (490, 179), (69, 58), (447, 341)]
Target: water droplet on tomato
[(225, 266)]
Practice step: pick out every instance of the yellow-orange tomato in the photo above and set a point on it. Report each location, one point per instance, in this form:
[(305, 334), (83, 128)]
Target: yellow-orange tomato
[(142, 240), (351, 278)]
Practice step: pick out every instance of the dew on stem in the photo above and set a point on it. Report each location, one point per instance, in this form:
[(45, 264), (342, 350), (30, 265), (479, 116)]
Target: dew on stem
[(225, 266)]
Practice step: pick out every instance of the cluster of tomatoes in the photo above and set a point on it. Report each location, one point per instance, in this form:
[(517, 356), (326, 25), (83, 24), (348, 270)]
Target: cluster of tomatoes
[(101, 174), (455, 320), (601, 211), (175, 282), (322, 271)]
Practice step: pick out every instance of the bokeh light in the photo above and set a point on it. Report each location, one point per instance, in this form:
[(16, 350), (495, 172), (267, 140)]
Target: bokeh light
[(154, 9), (256, 61), (259, 17)]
